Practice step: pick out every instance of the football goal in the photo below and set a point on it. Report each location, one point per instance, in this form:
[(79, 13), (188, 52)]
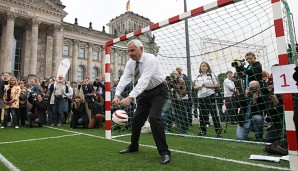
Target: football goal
[(210, 55)]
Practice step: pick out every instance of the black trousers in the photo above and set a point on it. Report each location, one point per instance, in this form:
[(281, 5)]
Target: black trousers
[(207, 105), (150, 103)]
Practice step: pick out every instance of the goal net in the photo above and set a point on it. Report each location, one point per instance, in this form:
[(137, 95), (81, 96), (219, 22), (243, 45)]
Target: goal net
[(200, 102)]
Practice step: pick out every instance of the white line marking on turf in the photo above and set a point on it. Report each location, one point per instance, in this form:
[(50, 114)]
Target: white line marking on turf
[(38, 139), (8, 164), (185, 152), (219, 139)]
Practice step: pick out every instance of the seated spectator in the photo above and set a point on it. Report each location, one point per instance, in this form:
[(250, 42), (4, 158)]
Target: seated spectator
[(38, 113), (256, 103), (97, 113), (79, 115)]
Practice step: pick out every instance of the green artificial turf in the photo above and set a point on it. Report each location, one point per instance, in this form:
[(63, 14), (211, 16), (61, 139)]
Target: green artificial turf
[(70, 150)]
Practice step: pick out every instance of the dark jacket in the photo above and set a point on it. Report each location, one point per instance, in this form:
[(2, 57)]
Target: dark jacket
[(96, 108), (79, 112), (262, 105), (98, 84), (39, 110), (254, 72), (1, 88)]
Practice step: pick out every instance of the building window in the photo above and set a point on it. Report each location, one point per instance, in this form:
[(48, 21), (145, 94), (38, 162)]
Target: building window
[(95, 73), (17, 53), (67, 76), (82, 53), (121, 60), (80, 73), (96, 55), (66, 50)]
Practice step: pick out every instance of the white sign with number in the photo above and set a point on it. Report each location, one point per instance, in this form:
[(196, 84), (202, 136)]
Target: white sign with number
[(283, 79)]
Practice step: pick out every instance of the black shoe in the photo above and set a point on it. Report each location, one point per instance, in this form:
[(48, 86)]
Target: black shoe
[(127, 150), (165, 159)]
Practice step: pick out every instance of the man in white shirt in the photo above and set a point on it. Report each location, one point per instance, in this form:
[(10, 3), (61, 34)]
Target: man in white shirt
[(150, 92), (229, 89)]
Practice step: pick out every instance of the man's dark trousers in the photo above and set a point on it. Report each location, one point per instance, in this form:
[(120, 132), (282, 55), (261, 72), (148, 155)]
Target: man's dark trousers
[(150, 103)]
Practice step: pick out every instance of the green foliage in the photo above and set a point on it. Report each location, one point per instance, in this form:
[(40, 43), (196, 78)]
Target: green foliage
[(221, 77)]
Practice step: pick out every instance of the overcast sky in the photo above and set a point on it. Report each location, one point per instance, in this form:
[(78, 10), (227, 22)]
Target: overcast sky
[(100, 12)]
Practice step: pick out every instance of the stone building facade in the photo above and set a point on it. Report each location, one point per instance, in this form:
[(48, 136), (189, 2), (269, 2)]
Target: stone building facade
[(34, 39)]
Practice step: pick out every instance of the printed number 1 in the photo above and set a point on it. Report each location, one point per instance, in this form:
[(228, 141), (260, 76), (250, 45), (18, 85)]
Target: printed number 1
[(285, 81)]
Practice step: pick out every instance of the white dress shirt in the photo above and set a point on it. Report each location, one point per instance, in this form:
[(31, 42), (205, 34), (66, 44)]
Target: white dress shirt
[(151, 75)]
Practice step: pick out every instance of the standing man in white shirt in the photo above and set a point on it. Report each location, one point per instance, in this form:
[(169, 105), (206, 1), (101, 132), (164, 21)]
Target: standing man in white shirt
[(150, 92)]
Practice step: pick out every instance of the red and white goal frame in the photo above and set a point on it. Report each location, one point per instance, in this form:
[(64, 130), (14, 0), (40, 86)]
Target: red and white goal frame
[(282, 57)]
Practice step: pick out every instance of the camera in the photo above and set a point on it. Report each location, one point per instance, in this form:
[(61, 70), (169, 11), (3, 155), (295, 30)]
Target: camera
[(253, 89), (235, 63)]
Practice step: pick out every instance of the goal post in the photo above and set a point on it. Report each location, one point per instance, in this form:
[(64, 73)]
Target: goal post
[(219, 33)]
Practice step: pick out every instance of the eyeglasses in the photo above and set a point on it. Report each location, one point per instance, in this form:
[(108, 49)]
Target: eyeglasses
[(60, 77)]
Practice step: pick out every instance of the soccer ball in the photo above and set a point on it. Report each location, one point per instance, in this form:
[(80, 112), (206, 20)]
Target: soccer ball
[(120, 117)]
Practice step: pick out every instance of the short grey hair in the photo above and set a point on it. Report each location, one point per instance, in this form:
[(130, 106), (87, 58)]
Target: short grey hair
[(136, 42)]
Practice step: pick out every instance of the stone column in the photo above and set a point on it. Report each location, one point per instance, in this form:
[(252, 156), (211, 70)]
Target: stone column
[(49, 54), (27, 49), (8, 45), (56, 60), (34, 44), (59, 45), (75, 60), (89, 61), (115, 64), (2, 57)]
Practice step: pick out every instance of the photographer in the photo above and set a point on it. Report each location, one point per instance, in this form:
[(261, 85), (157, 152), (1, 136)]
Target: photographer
[(255, 103), (180, 101), (253, 70), (97, 113), (79, 115), (37, 115), (188, 98)]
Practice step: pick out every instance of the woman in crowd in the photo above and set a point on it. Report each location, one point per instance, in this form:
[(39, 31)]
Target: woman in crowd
[(11, 102), (79, 115), (206, 84), (23, 103)]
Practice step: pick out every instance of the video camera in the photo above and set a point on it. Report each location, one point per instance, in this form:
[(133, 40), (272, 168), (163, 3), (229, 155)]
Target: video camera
[(235, 63)]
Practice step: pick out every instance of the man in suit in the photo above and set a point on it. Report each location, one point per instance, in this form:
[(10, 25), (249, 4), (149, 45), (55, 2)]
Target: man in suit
[(150, 92)]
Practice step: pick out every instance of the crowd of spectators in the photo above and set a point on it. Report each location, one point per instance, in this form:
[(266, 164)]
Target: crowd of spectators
[(247, 99), (51, 102)]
